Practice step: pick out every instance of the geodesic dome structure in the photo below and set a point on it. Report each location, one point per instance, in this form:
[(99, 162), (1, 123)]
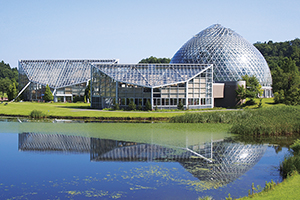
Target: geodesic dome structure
[(231, 55)]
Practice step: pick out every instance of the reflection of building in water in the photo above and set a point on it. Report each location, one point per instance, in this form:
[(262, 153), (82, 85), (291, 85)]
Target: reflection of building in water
[(230, 161), (112, 150), (217, 162), (53, 143)]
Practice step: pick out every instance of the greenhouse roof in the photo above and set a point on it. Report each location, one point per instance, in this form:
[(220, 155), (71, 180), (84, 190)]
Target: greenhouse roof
[(59, 73), (152, 75)]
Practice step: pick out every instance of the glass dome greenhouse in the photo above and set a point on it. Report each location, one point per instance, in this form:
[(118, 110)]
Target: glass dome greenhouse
[(231, 55)]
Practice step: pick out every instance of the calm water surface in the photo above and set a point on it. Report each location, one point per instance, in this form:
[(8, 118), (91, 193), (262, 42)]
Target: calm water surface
[(129, 161)]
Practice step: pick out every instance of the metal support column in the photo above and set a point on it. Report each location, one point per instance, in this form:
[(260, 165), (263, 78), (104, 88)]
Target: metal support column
[(151, 101)]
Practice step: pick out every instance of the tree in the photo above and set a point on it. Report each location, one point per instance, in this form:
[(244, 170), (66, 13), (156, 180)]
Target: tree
[(48, 96), (148, 105), (180, 105), (131, 105), (12, 92), (253, 88), (87, 91), (152, 59), (241, 93)]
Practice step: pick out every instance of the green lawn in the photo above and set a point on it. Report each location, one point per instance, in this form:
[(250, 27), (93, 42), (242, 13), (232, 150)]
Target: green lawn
[(76, 110), (288, 189), (84, 110)]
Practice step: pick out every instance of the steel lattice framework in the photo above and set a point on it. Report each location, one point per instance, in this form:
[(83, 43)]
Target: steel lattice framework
[(152, 75), (231, 55), (58, 73)]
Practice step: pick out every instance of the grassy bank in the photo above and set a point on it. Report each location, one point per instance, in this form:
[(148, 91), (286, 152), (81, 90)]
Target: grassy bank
[(289, 169), (288, 189)]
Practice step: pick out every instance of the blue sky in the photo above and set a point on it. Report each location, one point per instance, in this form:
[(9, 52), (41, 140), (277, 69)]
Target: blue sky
[(131, 30)]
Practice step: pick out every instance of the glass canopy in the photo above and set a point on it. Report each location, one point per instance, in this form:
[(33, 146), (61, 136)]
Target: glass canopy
[(59, 73), (152, 75)]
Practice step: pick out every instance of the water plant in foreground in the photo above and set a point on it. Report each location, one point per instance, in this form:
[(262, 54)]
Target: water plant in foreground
[(292, 162)]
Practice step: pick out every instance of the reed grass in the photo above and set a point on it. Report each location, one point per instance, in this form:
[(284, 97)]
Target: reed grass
[(292, 162), (270, 121), (275, 120)]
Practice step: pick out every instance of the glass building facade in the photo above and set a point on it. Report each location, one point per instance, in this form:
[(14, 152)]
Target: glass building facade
[(231, 55), (163, 85), (66, 78)]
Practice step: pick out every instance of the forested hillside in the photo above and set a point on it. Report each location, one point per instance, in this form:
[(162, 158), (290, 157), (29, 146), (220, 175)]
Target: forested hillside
[(284, 61), (8, 79)]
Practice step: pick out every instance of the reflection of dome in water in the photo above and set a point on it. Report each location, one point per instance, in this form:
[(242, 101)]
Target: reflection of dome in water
[(231, 55), (231, 160)]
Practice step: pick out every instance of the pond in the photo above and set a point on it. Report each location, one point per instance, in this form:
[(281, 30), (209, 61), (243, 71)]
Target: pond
[(130, 161)]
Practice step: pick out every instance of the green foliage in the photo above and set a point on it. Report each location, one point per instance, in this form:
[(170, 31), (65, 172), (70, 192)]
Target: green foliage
[(131, 105), (279, 96), (296, 147), (12, 92), (152, 59), (253, 88), (288, 189), (289, 165), (240, 93), (260, 103), (77, 98), (148, 105), (276, 120), (48, 96), (8, 76), (229, 197), (87, 92), (284, 61), (209, 117), (205, 198), (180, 106), (250, 102), (116, 106), (140, 107), (269, 186), (37, 114)]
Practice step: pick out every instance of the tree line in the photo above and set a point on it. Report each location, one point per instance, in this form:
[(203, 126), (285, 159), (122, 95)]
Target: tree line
[(8, 81), (283, 59)]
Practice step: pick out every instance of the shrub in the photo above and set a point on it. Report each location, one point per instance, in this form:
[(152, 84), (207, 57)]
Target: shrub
[(148, 105), (140, 107), (116, 106), (48, 96), (289, 165), (180, 106), (296, 147), (37, 114), (78, 98), (131, 105)]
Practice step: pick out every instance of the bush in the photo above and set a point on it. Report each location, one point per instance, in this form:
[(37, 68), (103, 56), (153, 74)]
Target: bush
[(180, 106), (289, 165), (131, 105), (296, 147), (37, 114), (140, 107), (116, 106), (148, 105), (250, 102), (78, 99)]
